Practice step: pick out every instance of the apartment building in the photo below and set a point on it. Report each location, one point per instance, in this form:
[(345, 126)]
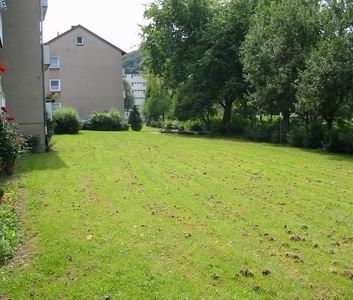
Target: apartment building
[(85, 72), (138, 86), (22, 55)]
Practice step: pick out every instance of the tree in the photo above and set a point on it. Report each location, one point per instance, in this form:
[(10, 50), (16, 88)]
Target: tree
[(135, 119), (133, 61), (325, 87), (220, 68), (173, 39), (158, 102), (282, 35), (129, 99)]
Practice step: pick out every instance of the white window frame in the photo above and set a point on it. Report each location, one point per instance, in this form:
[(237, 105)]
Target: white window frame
[(50, 85), (80, 44), (57, 66)]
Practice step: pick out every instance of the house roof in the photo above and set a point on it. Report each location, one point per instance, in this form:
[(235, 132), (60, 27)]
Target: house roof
[(90, 32)]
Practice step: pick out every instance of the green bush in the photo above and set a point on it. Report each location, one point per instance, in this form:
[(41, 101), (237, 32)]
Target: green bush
[(216, 125), (135, 119), (265, 131), (239, 124), (155, 124), (66, 121), (32, 142), (173, 124), (314, 135), (296, 135), (108, 121), (12, 143), (9, 233), (340, 138), (194, 125)]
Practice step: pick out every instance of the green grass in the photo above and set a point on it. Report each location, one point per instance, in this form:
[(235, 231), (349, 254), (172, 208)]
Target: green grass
[(149, 216)]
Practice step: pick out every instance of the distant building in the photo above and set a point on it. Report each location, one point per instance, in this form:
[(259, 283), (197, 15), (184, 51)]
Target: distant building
[(24, 57), (85, 72), (138, 86)]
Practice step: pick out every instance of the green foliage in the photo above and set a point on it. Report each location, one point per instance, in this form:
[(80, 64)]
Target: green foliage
[(133, 61), (244, 59), (32, 142), (135, 119), (280, 38), (12, 143), (173, 124), (108, 121), (9, 233), (67, 121), (194, 125), (340, 138), (265, 131), (325, 89), (296, 135), (129, 100), (158, 101)]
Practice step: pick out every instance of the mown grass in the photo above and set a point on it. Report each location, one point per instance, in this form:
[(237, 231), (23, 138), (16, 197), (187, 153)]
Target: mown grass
[(149, 216)]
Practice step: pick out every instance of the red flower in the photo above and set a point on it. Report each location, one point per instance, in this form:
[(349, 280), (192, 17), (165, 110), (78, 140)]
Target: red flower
[(4, 109), (2, 68), (10, 118)]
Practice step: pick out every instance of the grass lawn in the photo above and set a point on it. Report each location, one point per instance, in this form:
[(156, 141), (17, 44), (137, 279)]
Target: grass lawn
[(150, 216)]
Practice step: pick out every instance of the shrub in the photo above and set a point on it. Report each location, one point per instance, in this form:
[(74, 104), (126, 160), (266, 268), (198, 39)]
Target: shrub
[(173, 124), (340, 138), (265, 131), (9, 233), (239, 124), (12, 143), (135, 119), (314, 135), (155, 124), (108, 121), (66, 121), (194, 125), (216, 125), (296, 135), (32, 143)]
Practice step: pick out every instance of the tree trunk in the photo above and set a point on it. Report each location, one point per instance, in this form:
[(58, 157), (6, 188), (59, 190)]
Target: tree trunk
[(286, 116), (227, 116)]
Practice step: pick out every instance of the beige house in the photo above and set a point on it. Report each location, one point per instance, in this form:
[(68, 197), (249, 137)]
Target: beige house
[(22, 54), (85, 72)]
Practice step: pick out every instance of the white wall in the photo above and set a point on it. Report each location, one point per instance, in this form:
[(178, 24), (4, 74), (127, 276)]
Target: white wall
[(138, 86)]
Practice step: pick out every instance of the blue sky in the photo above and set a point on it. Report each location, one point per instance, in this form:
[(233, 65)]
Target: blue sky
[(114, 20)]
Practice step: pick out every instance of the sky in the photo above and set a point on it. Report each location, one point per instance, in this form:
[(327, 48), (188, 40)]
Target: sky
[(117, 21)]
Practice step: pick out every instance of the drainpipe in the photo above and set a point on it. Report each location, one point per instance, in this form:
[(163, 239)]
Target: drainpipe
[(46, 138)]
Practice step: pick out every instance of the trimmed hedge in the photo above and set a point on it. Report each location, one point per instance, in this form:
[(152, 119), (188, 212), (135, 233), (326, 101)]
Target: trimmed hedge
[(66, 121), (107, 121)]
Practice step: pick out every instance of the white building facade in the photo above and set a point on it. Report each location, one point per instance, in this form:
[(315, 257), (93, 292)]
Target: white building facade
[(138, 87)]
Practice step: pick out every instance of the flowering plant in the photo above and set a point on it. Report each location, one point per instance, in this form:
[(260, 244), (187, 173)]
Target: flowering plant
[(12, 143), (2, 68)]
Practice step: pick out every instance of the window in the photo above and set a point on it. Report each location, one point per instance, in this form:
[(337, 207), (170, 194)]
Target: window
[(54, 62), (79, 41), (54, 85)]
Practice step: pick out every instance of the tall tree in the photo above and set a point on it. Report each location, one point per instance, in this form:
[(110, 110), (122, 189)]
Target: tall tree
[(281, 36), (158, 100), (129, 99), (173, 39), (220, 68), (325, 88)]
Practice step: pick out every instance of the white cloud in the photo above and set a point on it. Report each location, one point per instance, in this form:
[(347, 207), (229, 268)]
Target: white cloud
[(114, 20)]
